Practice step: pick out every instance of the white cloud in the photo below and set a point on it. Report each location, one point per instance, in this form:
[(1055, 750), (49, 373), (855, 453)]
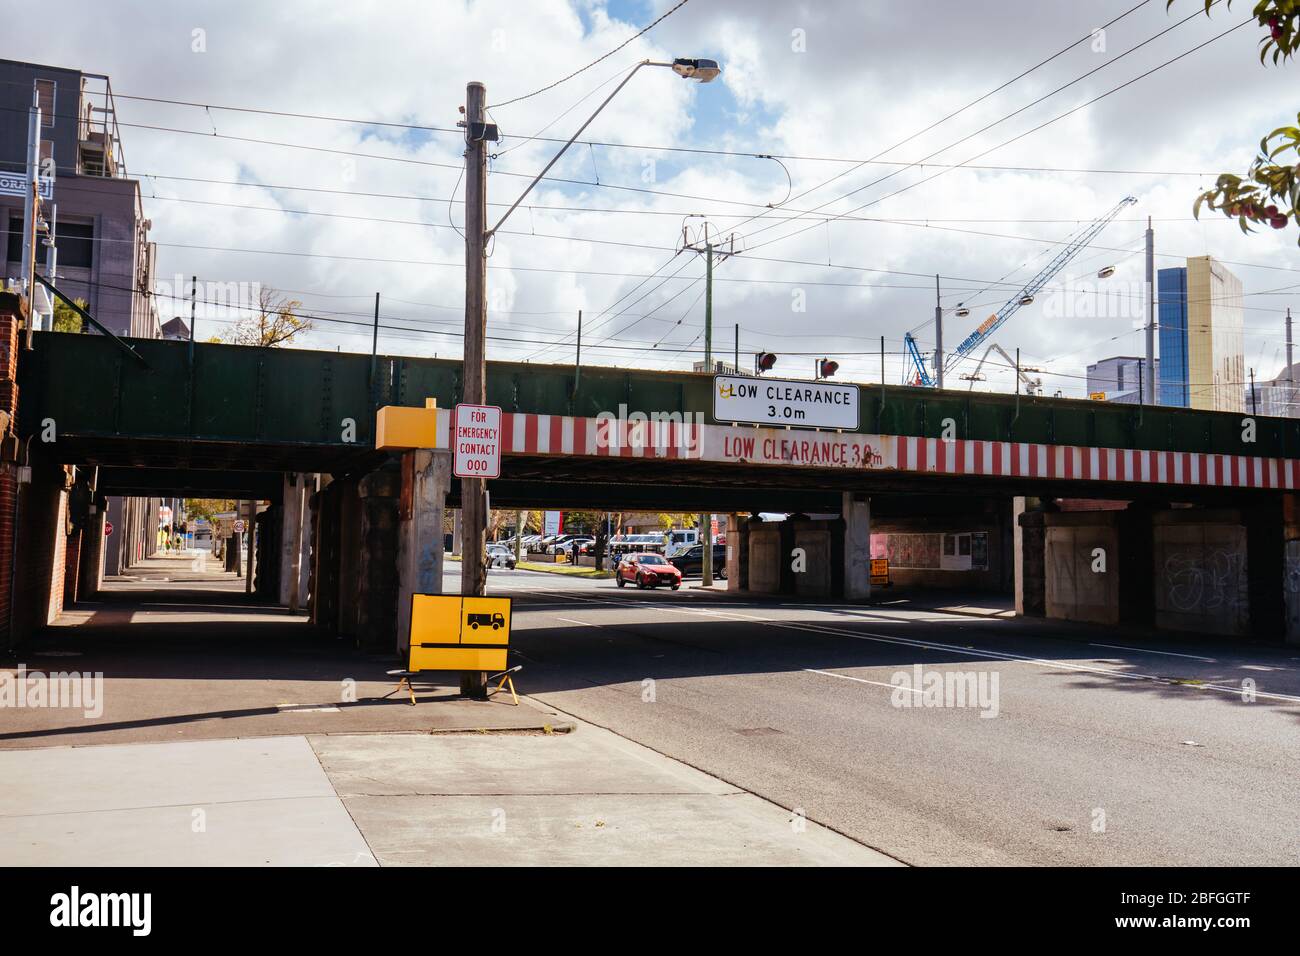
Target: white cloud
[(870, 76)]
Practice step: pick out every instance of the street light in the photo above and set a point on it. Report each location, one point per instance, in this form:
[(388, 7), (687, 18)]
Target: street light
[(703, 71), (478, 131)]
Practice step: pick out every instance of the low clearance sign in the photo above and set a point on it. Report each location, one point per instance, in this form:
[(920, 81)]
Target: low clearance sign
[(774, 401), (765, 446)]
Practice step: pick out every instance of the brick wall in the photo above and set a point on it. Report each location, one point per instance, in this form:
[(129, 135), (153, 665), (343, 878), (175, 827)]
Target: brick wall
[(33, 513), (11, 311)]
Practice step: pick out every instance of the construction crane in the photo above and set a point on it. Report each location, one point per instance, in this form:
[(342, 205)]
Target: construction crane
[(921, 375), (1032, 385)]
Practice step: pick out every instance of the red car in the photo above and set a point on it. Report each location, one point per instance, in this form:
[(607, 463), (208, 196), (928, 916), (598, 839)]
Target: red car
[(647, 571)]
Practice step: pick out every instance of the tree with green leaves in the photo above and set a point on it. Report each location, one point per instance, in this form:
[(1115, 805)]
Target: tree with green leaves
[(1269, 192), (207, 508), (66, 318)]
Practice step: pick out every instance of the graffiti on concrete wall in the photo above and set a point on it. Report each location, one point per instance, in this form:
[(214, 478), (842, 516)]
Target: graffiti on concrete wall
[(1210, 581)]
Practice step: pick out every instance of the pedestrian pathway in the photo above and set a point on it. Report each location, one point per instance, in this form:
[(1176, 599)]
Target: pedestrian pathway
[(584, 798)]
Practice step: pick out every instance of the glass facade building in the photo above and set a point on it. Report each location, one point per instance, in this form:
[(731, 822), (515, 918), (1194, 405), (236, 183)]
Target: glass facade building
[(1171, 294)]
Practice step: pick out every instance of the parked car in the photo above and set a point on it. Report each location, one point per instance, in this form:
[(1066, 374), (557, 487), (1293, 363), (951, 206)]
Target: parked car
[(572, 546), (499, 556), (691, 561), (647, 571), (560, 543)]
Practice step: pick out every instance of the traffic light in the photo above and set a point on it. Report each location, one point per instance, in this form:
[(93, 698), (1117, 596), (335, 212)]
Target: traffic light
[(764, 361), (826, 368)]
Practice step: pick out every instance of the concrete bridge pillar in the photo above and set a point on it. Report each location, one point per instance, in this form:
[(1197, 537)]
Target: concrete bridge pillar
[(377, 586), (1028, 550), (736, 537), (1291, 567), (1083, 559), (92, 552), (295, 539), (764, 558), (426, 479), (856, 512)]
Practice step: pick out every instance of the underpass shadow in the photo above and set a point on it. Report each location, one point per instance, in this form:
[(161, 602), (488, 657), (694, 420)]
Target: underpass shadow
[(559, 658)]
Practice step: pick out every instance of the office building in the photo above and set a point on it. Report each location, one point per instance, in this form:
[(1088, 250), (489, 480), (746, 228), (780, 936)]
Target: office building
[(1200, 316), (1120, 378)]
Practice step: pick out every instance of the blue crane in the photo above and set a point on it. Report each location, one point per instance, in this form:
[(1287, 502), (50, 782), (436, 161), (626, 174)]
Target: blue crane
[(921, 375)]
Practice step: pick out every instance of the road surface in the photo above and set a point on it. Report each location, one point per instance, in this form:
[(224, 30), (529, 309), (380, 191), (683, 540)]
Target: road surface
[(1092, 747)]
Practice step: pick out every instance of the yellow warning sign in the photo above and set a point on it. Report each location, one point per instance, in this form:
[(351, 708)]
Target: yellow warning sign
[(879, 571), (454, 633)]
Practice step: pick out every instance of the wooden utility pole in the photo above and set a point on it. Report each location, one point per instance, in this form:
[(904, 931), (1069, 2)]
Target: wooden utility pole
[(473, 575), (708, 250)]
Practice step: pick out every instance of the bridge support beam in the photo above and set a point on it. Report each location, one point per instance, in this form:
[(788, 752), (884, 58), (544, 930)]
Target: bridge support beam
[(1028, 555), (857, 547), (426, 479), (736, 537), (376, 611), (295, 539), (1291, 567)]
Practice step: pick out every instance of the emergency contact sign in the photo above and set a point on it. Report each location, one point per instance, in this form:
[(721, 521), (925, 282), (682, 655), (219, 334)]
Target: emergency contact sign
[(774, 401), (476, 441)]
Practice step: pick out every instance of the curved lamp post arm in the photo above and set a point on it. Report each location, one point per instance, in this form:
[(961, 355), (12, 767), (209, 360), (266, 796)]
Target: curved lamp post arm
[(554, 159)]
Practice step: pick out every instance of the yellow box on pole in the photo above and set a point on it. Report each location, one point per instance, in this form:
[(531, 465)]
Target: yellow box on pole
[(454, 633), (398, 427)]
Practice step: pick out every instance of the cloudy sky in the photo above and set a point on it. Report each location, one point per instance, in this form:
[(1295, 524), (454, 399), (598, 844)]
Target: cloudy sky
[(832, 251)]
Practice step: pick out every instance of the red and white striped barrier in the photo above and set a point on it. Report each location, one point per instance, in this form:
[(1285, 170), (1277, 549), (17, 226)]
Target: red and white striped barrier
[(529, 434)]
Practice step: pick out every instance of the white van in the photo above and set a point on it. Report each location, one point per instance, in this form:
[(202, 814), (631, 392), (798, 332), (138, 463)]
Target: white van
[(682, 539)]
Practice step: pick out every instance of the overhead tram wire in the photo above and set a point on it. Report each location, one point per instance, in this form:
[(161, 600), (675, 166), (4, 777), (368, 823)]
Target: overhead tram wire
[(366, 323), (925, 224), (638, 147), (1023, 134), (799, 215), (564, 79), (955, 113), (1132, 49), (552, 270), (1012, 115), (1008, 116)]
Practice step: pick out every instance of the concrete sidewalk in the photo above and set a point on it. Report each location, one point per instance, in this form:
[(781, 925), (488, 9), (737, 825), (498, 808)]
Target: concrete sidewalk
[(203, 803), (178, 653), (587, 798)]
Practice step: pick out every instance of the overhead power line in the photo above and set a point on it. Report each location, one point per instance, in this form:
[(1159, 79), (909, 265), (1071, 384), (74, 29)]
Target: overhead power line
[(564, 79), (1015, 113)]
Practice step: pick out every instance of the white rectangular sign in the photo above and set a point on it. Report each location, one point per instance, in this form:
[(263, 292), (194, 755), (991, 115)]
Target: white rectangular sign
[(16, 184), (476, 441), (775, 401), (551, 523)]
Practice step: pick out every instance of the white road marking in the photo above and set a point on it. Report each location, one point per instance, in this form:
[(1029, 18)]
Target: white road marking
[(569, 620), (937, 646), (1147, 650), (861, 680)]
